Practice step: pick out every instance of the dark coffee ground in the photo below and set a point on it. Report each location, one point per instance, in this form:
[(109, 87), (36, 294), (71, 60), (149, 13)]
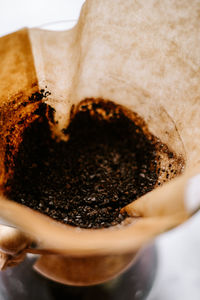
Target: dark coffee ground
[(84, 182)]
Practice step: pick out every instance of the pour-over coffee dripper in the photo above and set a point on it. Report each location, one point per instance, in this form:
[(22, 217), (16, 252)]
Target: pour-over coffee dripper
[(66, 62)]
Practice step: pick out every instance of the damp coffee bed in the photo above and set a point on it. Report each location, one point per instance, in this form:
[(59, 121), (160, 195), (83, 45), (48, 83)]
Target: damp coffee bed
[(84, 182)]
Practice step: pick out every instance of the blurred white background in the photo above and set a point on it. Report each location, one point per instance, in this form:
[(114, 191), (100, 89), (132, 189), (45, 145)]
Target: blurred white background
[(15, 14), (178, 275)]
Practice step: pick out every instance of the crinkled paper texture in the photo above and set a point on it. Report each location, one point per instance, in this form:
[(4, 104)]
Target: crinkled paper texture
[(144, 55)]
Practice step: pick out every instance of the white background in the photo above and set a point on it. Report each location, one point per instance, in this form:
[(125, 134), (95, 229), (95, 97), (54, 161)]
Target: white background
[(178, 275), (15, 14)]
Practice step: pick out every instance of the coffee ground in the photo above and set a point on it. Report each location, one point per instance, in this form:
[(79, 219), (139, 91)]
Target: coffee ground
[(105, 165)]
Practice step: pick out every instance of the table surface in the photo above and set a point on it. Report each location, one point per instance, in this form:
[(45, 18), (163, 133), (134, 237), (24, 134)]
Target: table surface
[(178, 275)]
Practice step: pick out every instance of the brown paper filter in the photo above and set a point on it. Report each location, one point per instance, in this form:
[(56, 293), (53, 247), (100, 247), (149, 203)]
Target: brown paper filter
[(142, 55)]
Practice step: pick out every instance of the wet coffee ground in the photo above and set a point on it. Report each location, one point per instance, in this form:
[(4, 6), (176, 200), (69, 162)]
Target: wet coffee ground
[(85, 181)]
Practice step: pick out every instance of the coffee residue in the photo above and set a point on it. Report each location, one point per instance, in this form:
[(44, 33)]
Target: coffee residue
[(105, 165)]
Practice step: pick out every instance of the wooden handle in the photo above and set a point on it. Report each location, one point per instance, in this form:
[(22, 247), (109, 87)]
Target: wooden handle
[(13, 245)]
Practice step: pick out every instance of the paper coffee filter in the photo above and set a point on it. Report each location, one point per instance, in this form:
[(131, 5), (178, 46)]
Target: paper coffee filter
[(143, 55)]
